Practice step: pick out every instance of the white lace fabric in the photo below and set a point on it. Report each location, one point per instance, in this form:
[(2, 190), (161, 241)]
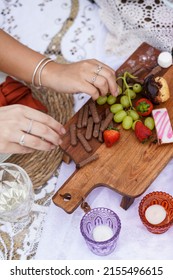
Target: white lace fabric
[(130, 23)]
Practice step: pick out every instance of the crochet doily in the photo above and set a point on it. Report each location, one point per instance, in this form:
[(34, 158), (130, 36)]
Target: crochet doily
[(131, 22)]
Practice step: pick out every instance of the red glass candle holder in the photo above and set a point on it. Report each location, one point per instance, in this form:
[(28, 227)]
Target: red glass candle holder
[(157, 198)]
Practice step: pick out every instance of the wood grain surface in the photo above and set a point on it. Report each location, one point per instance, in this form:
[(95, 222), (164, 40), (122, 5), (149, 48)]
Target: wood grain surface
[(129, 167)]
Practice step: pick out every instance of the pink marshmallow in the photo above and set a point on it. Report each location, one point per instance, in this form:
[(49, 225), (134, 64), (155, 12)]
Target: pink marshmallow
[(163, 126)]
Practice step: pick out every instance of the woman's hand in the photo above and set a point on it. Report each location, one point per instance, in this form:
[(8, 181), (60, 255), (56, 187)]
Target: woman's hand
[(24, 130), (89, 76)]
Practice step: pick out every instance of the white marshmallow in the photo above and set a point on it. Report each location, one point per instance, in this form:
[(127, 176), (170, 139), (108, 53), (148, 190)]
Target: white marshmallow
[(164, 59)]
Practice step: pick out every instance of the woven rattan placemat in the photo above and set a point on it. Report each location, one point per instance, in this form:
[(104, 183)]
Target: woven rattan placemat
[(39, 165)]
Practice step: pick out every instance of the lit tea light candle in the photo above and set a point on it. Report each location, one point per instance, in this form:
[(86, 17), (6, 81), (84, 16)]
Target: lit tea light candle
[(155, 214), (102, 233)]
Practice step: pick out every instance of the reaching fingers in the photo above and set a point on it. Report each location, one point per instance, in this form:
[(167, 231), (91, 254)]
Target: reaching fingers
[(47, 120), (42, 131), (103, 78), (37, 135), (23, 134), (100, 82), (108, 75), (23, 115), (29, 140)]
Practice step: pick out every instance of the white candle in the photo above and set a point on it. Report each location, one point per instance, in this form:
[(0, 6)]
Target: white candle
[(102, 233), (155, 214), (165, 59)]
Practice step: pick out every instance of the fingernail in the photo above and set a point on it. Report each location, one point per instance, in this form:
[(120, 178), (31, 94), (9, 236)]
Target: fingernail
[(63, 131), (115, 93)]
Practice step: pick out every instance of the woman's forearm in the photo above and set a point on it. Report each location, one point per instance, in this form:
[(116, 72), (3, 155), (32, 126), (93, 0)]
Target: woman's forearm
[(17, 59)]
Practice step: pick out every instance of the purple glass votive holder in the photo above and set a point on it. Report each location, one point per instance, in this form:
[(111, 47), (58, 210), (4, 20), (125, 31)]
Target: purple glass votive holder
[(100, 217)]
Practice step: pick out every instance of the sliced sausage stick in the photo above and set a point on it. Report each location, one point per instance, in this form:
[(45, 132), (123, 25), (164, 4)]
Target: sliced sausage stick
[(107, 111), (73, 134), (134, 69), (139, 71), (89, 129), (96, 130), (84, 142), (85, 116), (100, 137), (94, 112), (106, 121), (154, 71), (87, 160), (80, 116)]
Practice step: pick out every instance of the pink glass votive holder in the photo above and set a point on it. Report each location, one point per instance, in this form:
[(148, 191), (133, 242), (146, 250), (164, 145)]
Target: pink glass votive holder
[(106, 220)]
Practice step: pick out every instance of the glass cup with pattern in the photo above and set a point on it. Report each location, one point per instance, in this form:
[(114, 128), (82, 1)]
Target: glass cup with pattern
[(100, 228), (16, 193)]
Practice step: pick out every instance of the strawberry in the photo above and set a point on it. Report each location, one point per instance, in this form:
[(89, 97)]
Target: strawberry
[(142, 132), (144, 107), (110, 136)]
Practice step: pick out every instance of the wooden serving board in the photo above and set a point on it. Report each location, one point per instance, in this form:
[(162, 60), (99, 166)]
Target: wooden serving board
[(128, 167)]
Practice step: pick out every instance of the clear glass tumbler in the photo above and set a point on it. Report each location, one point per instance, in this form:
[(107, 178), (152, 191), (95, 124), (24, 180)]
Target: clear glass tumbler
[(106, 221), (16, 193)]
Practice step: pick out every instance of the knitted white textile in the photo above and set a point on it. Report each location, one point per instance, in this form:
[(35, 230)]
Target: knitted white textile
[(131, 22)]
